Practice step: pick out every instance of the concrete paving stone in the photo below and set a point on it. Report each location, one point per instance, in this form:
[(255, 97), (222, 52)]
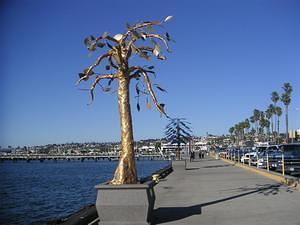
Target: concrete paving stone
[(213, 192)]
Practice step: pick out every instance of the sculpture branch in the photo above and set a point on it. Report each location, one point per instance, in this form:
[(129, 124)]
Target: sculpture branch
[(151, 92), (138, 68), (139, 26), (98, 79), (157, 36), (98, 61)]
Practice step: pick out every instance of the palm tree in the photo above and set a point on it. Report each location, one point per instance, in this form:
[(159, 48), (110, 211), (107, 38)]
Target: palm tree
[(242, 129), (252, 133), (278, 111), (236, 133), (268, 114), (247, 124), (256, 116), (262, 122), (138, 40), (274, 98), (252, 121), (267, 125), (286, 100), (271, 111), (231, 130), (178, 131)]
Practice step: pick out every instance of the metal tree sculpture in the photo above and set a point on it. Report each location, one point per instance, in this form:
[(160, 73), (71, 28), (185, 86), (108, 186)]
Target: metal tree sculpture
[(178, 131), (139, 39)]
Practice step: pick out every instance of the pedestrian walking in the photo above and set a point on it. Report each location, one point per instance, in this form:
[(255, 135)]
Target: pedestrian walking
[(192, 156)]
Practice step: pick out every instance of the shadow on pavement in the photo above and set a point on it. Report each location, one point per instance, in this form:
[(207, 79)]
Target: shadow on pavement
[(217, 166), (265, 190), (192, 168), (168, 214)]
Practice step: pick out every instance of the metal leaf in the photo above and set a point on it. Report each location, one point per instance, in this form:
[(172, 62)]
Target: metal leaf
[(160, 88), (168, 36), (144, 55), (144, 36), (138, 107), (137, 89), (104, 35), (168, 18), (150, 71), (92, 93), (156, 22), (128, 26), (156, 50), (87, 41), (100, 44), (92, 38), (109, 45), (91, 72), (81, 75), (135, 34), (118, 37), (110, 81), (92, 47), (162, 106), (161, 57), (107, 89), (150, 28), (148, 104), (129, 53)]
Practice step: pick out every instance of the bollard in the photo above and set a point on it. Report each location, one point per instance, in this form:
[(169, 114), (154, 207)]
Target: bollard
[(244, 157), (282, 164), (249, 161), (217, 156), (268, 167), (256, 159)]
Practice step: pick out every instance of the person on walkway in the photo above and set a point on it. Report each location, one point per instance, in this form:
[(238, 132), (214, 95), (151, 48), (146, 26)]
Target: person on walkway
[(192, 156), (202, 155)]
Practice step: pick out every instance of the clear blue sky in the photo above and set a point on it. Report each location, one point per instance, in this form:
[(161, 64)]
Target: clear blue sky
[(228, 57)]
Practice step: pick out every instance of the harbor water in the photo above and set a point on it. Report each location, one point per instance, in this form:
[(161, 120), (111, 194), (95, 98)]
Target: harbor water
[(35, 192)]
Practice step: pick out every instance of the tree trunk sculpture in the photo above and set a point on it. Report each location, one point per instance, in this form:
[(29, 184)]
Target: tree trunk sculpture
[(140, 40)]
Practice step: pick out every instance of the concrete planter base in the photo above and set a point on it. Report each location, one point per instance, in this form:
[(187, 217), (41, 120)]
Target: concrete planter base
[(128, 204)]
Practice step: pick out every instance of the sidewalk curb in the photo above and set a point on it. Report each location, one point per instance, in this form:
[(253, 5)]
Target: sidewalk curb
[(290, 181)]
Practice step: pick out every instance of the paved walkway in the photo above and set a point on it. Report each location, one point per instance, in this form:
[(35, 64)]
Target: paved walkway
[(214, 192)]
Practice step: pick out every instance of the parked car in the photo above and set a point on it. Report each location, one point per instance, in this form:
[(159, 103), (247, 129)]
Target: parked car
[(250, 155), (223, 154), (291, 153), (271, 151), (289, 147)]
